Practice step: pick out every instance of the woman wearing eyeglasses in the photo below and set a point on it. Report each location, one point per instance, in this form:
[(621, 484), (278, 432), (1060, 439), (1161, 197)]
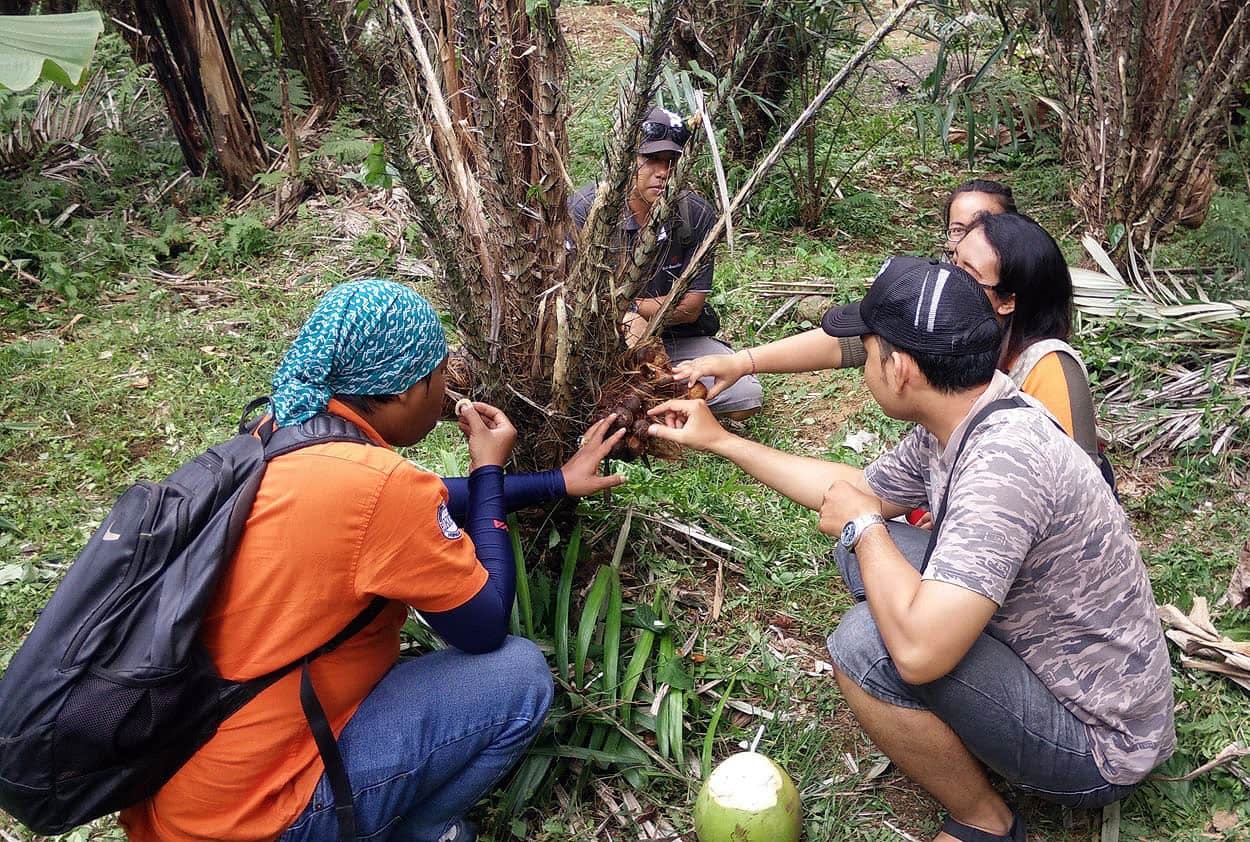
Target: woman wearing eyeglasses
[(1023, 272), (968, 201)]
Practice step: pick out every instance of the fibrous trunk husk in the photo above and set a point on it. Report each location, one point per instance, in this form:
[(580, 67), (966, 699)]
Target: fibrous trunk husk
[(188, 45), (1145, 90)]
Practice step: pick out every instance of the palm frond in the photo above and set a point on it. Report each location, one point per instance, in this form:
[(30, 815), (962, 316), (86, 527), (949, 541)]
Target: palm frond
[(59, 130), (1186, 379)]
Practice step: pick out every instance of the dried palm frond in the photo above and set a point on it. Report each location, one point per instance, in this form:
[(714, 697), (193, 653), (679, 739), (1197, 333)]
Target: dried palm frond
[(1174, 406), (1198, 385), (61, 129)]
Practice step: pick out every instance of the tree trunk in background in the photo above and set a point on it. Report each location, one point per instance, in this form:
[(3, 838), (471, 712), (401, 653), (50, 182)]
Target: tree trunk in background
[(188, 46), (237, 143), (1146, 89), (712, 32), (307, 43), (16, 7), (59, 7), (142, 32)]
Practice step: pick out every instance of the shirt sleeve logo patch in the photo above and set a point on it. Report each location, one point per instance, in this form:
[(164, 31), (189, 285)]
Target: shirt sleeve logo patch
[(447, 524)]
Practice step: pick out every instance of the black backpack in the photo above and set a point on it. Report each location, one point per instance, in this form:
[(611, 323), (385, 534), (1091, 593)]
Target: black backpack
[(113, 691)]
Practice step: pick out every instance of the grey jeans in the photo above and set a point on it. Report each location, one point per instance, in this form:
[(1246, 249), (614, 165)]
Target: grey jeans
[(745, 394), (993, 702)]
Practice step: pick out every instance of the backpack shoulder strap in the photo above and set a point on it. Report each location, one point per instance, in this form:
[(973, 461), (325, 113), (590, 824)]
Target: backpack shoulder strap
[(1033, 354), (685, 225), (1013, 402), (319, 429)]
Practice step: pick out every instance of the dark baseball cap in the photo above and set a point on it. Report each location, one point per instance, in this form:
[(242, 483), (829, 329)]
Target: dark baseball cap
[(663, 131), (921, 305)]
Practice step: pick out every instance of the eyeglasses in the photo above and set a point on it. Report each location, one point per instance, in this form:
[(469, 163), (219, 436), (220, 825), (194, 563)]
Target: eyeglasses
[(652, 131), (956, 232)]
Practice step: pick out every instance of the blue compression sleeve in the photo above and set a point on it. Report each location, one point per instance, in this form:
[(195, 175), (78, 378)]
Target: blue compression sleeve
[(481, 624), (519, 491)]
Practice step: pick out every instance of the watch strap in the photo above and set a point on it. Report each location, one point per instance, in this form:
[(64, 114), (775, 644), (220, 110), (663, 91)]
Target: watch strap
[(862, 523)]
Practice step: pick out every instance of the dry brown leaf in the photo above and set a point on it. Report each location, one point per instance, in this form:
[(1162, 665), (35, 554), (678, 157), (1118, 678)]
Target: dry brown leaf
[(1209, 650), (1223, 821), (1238, 594)]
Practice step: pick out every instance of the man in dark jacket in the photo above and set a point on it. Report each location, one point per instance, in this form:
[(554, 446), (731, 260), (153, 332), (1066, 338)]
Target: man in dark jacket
[(693, 323)]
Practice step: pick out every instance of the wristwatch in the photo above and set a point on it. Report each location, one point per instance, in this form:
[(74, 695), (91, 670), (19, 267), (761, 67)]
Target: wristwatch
[(854, 529)]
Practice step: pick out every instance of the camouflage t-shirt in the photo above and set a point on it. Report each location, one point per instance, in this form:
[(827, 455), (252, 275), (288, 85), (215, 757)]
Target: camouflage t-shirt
[(1031, 525)]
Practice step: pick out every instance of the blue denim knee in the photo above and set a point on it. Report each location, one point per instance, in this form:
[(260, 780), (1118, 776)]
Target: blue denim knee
[(859, 652)]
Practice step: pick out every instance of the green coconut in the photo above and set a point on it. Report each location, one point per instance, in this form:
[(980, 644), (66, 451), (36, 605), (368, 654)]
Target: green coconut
[(748, 798)]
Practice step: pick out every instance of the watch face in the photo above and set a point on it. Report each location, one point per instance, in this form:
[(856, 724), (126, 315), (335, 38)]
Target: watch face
[(848, 534)]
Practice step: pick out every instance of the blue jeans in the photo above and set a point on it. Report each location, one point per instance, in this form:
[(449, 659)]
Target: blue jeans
[(435, 735), (1003, 713)]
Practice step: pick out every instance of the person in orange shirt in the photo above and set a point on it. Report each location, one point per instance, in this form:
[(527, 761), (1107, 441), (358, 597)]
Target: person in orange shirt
[(334, 526)]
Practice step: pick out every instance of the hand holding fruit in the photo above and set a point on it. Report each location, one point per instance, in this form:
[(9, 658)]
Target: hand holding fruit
[(490, 433), (581, 472), (687, 422)]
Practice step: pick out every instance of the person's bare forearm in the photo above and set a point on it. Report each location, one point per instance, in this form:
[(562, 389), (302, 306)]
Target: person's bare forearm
[(812, 350), (685, 312), (927, 627), (801, 478)]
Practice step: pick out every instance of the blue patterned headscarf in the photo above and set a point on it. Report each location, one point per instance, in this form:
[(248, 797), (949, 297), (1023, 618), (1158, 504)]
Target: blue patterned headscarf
[(369, 337)]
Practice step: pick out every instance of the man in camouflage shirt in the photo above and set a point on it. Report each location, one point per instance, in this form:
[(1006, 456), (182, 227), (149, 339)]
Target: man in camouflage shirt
[(1021, 634)]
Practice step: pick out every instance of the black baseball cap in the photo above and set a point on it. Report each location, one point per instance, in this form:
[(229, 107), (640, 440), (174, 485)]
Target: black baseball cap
[(663, 131), (921, 305)]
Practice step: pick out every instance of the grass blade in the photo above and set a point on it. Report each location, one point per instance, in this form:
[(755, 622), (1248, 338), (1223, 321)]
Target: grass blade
[(710, 736), (612, 637), (633, 673), (588, 624), (622, 538), (524, 603), (676, 704), (663, 725), (564, 595), (526, 782)]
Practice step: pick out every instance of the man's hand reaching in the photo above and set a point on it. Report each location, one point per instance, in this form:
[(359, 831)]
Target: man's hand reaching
[(724, 369), (581, 472), (687, 422)]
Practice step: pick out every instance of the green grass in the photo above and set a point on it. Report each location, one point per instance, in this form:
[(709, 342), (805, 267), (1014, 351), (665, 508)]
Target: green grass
[(153, 372)]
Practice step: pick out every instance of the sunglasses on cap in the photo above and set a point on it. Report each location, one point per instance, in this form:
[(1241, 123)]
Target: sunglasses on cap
[(652, 131)]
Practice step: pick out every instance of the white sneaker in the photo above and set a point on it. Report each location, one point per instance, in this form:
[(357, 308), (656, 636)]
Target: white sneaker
[(461, 831)]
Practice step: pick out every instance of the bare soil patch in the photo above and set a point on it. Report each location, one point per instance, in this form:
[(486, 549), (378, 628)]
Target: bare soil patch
[(599, 29)]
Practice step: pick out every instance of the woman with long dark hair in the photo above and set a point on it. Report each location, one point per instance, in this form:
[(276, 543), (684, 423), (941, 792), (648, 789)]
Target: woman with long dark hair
[(1023, 272)]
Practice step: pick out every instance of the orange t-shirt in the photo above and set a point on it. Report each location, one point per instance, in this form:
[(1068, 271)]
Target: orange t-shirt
[(333, 526), (1059, 384)]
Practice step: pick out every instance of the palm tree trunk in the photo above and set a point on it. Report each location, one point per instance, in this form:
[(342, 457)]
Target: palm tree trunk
[(307, 43), (188, 45)]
